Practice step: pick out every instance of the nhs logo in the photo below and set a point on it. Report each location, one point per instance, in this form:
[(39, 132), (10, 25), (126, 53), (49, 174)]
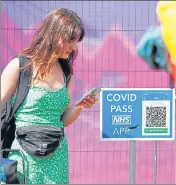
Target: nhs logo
[(121, 119)]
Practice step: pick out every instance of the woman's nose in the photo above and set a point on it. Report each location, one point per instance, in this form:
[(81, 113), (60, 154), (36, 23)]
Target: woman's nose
[(74, 47)]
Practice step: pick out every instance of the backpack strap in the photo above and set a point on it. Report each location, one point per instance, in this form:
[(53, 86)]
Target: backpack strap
[(23, 84), (67, 70), (68, 79)]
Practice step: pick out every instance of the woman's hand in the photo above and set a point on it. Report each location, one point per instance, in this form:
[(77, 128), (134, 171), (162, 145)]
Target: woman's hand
[(88, 102)]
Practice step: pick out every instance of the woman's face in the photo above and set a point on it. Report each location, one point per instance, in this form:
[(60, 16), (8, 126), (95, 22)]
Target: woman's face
[(67, 49)]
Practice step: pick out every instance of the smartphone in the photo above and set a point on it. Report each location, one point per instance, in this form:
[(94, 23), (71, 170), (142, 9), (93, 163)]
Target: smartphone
[(93, 92)]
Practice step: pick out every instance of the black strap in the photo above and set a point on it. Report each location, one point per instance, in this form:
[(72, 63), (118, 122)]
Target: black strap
[(67, 69), (23, 85), (68, 79)]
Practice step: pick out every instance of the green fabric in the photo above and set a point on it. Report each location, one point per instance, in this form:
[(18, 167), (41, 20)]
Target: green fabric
[(44, 107)]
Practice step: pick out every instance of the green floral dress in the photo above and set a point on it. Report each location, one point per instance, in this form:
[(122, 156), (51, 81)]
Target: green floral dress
[(44, 107)]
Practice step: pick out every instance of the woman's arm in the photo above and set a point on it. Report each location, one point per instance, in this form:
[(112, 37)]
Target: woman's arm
[(72, 112), (70, 115), (9, 80)]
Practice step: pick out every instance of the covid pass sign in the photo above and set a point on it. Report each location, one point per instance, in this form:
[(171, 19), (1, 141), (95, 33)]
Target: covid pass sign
[(137, 114)]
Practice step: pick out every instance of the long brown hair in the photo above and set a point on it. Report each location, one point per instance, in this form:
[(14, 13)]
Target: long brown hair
[(60, 26)]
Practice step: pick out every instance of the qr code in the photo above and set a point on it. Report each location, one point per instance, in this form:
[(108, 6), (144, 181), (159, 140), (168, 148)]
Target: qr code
[(155, 116)]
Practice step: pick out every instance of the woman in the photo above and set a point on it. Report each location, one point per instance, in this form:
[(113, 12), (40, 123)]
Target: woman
[(48, 97)]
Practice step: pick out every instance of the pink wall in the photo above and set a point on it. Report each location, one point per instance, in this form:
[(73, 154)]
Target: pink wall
[(110, 63)]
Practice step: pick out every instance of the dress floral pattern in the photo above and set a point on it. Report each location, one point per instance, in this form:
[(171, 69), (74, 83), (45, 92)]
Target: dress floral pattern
[(44, 107)]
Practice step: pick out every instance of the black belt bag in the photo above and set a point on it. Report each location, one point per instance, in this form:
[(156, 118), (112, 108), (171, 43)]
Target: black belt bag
[(39, 140)]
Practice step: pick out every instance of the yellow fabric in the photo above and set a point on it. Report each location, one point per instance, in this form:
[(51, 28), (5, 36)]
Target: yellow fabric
[(166, 12)]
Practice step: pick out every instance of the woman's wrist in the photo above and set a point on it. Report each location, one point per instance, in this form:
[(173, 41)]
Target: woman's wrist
[(80, 107)]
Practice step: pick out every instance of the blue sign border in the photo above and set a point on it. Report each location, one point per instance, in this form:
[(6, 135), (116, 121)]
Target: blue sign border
[(171, 135)]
